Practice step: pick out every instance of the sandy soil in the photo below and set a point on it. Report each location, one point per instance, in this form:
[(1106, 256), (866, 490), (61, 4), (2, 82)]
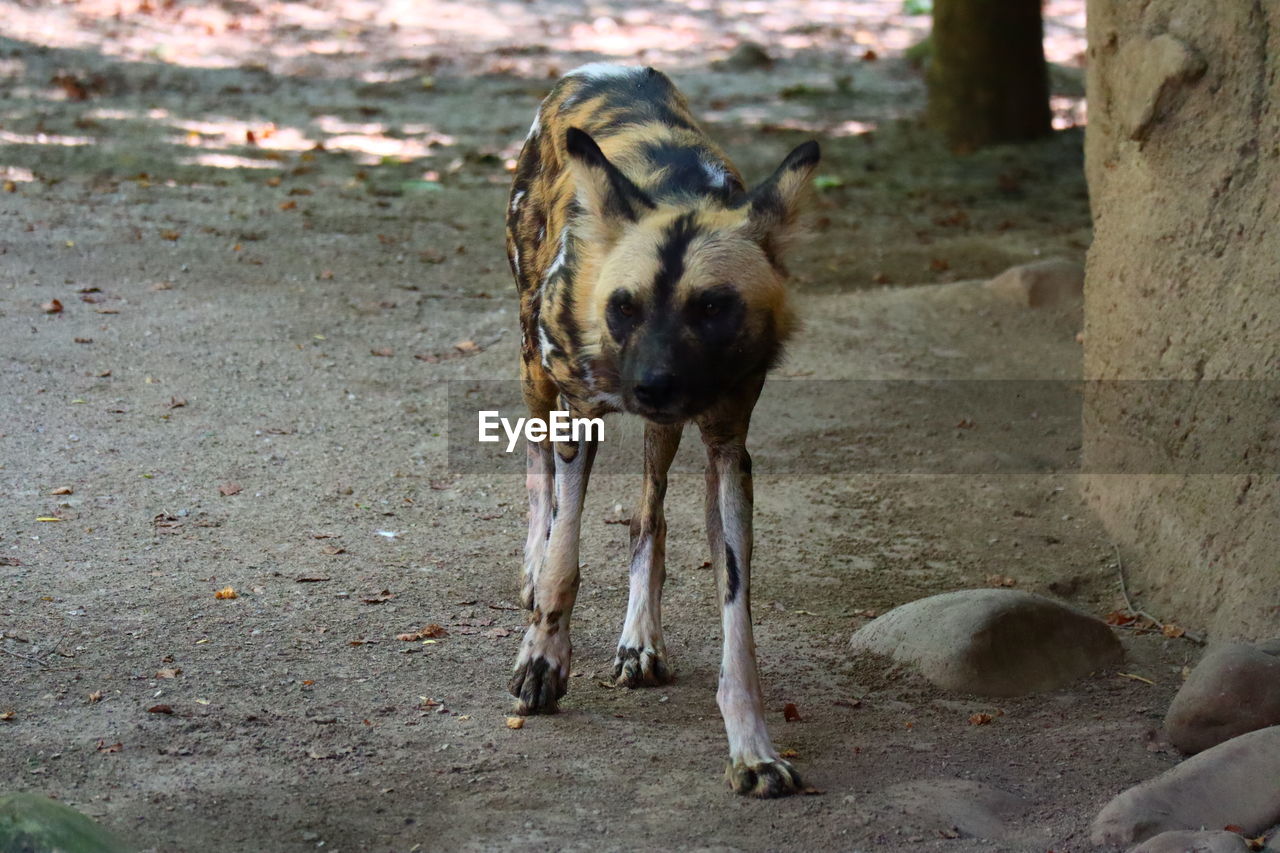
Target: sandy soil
[(248, 385)]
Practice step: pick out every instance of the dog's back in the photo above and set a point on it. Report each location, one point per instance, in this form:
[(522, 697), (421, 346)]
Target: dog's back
[(641, 123)]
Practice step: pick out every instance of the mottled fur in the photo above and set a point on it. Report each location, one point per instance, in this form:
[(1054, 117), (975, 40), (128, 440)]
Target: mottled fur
[(651, 281)]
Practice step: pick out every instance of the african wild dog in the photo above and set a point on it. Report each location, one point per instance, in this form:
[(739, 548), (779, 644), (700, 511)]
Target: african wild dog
[(650, 282)]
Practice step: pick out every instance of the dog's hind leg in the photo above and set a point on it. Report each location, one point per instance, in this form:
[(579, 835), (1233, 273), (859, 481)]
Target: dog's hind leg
[(642, 656)]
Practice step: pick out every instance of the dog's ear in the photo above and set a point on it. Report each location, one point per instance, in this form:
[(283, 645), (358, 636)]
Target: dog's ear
[(774, 206), (609, 200)]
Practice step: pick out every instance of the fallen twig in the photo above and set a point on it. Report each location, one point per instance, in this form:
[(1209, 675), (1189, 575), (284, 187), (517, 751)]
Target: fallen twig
[(1128, 602)]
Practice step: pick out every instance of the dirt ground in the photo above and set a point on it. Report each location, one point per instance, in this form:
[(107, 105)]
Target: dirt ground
[(268, 226)]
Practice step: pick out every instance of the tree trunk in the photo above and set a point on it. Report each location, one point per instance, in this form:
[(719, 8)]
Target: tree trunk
[(987, 79)]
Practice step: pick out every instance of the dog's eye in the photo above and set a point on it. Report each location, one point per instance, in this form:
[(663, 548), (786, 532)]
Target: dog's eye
[(710, 308), (626, 309)]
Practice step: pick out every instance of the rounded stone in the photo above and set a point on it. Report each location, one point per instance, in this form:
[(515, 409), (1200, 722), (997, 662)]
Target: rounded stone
[(1236, 783), (1233, 690), (992, 642)]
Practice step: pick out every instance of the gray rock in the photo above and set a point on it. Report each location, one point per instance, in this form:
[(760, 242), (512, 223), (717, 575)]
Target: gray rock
[(1040, 283), (1235, 783), (35, 824), (1234, 689), (973, 809), (992, 642), (1271, 647), (1182, 841), (747, 56)]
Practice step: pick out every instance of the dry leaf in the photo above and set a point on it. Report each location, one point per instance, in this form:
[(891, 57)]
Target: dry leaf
[(333, 550), (176, 402), (432, 630), (104, 748), (6, 716), (53, 306), (1001, 581), (226, 593), (467, 346), (378, 597), (63, 490), (172, 672), (791, 713), (515, 722), (788, 753), (162, 285), (160, 709), (1172, 631), (170, 235), (1120, 617), (980, 719), (229, 489), (288, 205), (83, 340), (95, 696), (310, 579), (385, 352)]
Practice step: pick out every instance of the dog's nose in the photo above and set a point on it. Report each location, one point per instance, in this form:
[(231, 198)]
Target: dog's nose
[(654, 389)]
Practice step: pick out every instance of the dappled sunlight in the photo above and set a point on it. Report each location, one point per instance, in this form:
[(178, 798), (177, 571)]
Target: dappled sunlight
[(8, 138), (533, 37), (228, 161), (199, 85), (1068, 111)]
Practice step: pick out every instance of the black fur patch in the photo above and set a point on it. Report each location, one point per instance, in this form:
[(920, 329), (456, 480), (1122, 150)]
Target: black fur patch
[(732, 579), (686, 172), (675, 242), (646, 95)]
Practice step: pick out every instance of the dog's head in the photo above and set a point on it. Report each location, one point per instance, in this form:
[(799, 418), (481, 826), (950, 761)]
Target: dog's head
[(690, 300)]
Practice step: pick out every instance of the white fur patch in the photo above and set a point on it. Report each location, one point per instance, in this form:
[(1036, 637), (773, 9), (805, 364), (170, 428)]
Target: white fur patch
[(544, 343), (604, 70), (715, 173), (515, 201), (535, 128), (558, 263)]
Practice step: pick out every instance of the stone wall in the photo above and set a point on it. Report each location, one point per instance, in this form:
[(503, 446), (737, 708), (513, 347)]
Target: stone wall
[(1183, 283)]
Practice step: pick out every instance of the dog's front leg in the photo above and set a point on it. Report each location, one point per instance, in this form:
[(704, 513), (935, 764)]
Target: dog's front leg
[(542, 667), (642, 656), (540, 468), (754, 766)]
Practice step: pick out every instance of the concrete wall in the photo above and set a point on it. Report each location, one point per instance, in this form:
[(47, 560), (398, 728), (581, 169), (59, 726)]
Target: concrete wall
[(1183, 283)]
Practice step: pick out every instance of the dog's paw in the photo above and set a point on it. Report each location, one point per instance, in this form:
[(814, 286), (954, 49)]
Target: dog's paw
[(537, 685), (541, 674), (636, 667), (764, 779)]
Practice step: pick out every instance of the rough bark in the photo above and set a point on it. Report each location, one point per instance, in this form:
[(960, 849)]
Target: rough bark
[(988, 82)]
